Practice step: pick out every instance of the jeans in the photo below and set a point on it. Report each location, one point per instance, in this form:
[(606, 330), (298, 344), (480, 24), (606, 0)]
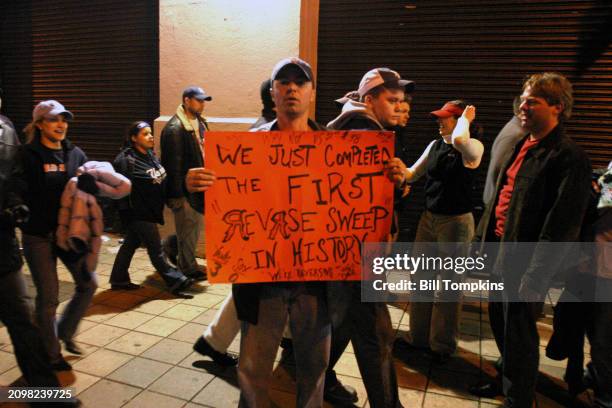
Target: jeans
[(41, 254), (311, 329), (368, 326), (435, 323), (29, 350), (188, 223), (225, 326), (143, 232)]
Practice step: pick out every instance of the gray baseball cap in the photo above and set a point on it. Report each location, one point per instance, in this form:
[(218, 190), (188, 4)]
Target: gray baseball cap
[(46, 109), (383, 76), (300, 63)]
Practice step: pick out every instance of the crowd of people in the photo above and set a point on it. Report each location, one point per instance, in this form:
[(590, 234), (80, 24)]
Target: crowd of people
[(539, 188)]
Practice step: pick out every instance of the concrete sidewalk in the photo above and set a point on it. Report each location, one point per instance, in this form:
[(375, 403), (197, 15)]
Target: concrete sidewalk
[(139, 352)]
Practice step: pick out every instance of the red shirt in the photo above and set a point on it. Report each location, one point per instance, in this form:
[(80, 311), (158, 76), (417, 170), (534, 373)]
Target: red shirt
[(506, 192)]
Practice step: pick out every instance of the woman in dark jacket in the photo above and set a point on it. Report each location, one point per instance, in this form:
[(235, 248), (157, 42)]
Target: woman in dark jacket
[(49, 161), (142, 210)]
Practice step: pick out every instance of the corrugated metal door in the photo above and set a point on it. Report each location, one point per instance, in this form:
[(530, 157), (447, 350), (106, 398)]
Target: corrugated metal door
[(99, 58), (478, 50)]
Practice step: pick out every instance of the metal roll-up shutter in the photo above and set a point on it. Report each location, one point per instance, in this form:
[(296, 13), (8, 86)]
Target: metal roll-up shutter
[(98, 58), (16, 61), (479, 51)]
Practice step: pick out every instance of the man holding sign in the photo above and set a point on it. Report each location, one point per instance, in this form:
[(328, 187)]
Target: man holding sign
[(303, 303), (265, 307), (288, 211)]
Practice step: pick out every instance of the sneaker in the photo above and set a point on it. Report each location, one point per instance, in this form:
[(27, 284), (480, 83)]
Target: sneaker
[(205, 349), (61, 365), (340, 394)]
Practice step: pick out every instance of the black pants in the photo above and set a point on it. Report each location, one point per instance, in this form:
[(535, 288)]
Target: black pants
[(138, 232), (368, 326), (521, 353), (27, 341), (496, 316)]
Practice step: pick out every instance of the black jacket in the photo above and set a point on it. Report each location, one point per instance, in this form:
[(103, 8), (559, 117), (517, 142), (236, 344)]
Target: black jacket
[(549, 200), (180, 151), (146, 200), (11, 190), (43, 209)]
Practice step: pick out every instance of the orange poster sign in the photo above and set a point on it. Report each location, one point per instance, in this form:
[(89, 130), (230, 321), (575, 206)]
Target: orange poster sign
[(295, 206)]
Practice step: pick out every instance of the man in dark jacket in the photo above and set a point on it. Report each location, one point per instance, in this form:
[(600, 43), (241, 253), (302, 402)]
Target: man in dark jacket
[(368, 325), (182, 148), (14, 307), (541, 196), (502, 149)]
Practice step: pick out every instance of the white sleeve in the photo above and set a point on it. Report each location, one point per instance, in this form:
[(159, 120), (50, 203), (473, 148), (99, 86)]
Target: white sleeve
[(416, 171), (471, 149)]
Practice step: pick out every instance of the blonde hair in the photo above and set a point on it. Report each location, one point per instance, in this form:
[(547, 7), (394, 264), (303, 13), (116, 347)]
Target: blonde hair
[(31, 131)]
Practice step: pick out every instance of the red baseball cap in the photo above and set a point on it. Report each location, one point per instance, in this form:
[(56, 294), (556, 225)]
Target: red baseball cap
[(448, 110)]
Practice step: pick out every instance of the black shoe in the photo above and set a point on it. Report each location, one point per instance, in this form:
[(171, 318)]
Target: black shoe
[(72, 347), (487, 390), (177, 290), (199, 275), (61, 365), (340, 394), (125, 286), (401, 343), (223, 359), (179, 287)]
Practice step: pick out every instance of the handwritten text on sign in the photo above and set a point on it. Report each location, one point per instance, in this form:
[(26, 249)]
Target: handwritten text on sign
[(295, 206)]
